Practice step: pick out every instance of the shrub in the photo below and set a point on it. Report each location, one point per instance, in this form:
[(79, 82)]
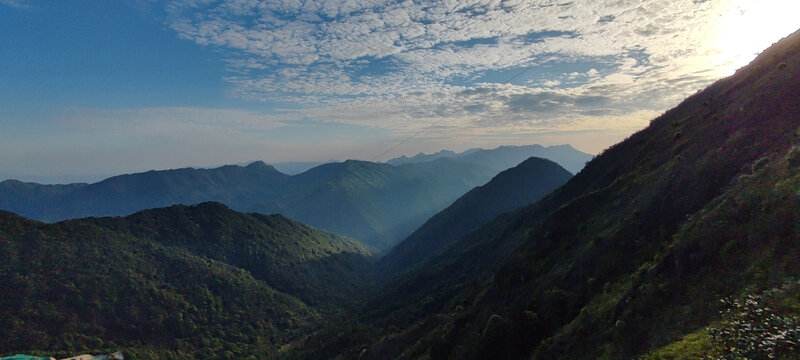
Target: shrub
[(753, 329)]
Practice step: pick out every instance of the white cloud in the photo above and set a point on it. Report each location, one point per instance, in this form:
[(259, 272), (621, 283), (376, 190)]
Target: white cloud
[(20, 4), (402, 65)]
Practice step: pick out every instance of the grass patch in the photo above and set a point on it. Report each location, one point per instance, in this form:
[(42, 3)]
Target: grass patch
[(696, 345)]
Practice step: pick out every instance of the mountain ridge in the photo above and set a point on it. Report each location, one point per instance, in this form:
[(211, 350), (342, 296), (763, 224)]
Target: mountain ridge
[(506, 156), (310, 197)]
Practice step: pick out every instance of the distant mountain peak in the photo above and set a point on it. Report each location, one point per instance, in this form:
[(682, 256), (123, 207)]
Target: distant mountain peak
[(260, 165), (257, 163), (213, 205)]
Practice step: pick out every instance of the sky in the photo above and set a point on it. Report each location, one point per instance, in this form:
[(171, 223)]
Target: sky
[(92, 88)]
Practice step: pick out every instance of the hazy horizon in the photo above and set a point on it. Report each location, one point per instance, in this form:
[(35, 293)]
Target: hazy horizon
[(70, 178)]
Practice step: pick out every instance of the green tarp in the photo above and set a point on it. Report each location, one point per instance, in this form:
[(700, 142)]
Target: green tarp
[(24, 357)]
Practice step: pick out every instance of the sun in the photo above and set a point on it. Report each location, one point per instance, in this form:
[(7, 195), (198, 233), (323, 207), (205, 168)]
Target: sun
[(750, 26)]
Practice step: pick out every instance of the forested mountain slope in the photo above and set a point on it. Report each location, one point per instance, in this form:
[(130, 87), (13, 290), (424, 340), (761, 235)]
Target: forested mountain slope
[(318, 267), (179, 282), (632, 253)]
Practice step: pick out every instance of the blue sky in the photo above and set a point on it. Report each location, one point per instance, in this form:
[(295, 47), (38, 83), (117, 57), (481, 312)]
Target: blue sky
[(95, 87)]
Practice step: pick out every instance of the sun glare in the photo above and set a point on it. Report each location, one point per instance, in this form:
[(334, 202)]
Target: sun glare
[(750, 26)]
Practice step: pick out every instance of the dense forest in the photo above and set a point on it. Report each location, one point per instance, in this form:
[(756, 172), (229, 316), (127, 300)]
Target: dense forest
[(178, 282)]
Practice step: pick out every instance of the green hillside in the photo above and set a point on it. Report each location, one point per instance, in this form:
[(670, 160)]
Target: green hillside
[(634, 255), (318, 267), (179, 282)]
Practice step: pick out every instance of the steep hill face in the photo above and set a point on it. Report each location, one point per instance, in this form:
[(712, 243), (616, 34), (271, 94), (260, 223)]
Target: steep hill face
[(505, 157), (377, 204), (178, 282), (521, 185), (633, 252)]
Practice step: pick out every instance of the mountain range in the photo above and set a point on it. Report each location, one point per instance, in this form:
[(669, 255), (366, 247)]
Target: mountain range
[(505, 157), (378, 204)]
